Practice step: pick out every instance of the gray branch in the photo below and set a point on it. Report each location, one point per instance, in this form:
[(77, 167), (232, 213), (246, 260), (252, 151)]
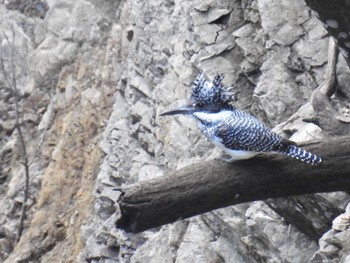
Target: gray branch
[(206, 186), (11, 85)]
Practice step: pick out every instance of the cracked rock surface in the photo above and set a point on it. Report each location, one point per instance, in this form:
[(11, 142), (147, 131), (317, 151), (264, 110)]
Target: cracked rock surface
[(93, 77)]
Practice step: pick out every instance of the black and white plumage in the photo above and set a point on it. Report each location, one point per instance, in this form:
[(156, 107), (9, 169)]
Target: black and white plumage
[(237, 133)]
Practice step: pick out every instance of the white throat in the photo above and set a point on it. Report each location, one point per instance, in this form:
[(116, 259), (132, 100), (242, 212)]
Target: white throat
[(212, 117)]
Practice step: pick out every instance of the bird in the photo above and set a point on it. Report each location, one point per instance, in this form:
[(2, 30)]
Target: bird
[(239, 134)]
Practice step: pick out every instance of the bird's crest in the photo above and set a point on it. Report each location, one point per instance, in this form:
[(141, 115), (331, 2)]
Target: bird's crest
[(211, 92)]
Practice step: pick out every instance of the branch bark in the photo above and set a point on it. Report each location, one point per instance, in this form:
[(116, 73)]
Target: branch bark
[(203, 187), (331, 122)]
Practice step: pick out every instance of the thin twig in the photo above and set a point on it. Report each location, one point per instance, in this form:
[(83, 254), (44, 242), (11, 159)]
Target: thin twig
[(13, 66), (320, 98), (26, 167), (13, 89)]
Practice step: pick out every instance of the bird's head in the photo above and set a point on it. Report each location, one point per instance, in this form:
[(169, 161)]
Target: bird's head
[(206, 97)]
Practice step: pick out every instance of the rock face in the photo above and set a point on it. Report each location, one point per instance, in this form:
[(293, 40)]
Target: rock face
[(92, 78)]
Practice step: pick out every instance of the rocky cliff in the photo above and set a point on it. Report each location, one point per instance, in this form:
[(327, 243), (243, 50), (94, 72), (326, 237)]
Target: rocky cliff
[(92, 78)]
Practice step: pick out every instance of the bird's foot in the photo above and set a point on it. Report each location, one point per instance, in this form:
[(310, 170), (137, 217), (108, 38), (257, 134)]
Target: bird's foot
[(226, 159)]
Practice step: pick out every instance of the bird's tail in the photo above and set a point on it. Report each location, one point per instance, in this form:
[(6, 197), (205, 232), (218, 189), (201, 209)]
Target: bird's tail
[(302, 155)]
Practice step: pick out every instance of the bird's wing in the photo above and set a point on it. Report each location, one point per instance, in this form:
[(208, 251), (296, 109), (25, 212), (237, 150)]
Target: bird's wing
[(248, 134)]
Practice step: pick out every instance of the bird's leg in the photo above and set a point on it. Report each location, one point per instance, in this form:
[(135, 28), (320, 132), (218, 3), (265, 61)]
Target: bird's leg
[(227, 159), (236, 155)]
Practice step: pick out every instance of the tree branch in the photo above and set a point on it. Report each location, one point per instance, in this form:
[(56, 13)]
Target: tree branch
[(11, 85), (326, 116), (203, 187)]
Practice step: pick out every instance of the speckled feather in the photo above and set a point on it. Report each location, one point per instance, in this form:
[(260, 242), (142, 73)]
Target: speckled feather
[(235, 130), (241, 131), (211, 92)]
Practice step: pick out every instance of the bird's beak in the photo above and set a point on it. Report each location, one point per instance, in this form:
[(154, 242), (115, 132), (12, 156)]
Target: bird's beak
[(179, 110)]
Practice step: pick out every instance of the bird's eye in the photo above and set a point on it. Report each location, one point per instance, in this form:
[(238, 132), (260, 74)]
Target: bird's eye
[(200, 104)]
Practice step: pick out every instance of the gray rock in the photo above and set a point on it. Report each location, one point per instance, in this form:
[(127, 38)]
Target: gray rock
[(136, 59), (335, 244), (286, 242), (315, 53), (282, 20), (8, 125), (245, 31), (252, 46), (250, 10), (277, 93)]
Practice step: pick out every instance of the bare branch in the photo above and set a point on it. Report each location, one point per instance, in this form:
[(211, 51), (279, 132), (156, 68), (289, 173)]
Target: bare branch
[(320, 98), (326, 117), (210, 185), (11, 82)]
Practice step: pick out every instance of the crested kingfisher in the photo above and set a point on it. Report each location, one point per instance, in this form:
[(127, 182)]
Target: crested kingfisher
[(237, 133)]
